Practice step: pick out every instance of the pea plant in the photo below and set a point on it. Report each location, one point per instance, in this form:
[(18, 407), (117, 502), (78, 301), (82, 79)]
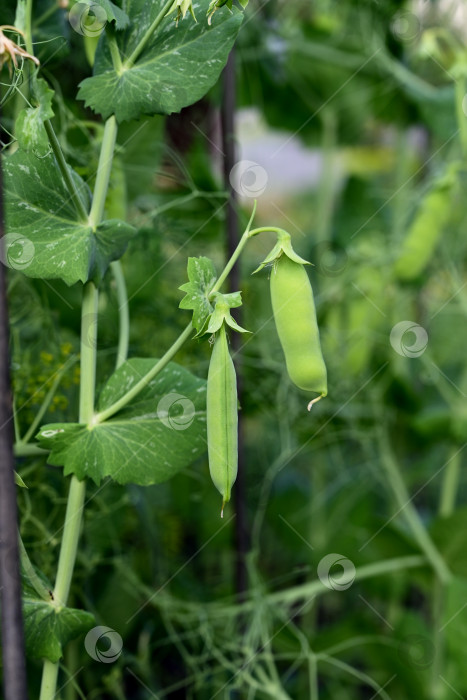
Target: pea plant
[(148, 58)]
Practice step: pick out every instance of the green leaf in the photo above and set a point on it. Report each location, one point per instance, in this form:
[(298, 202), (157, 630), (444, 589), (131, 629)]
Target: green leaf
[(158, 433), (29, 128), (177, 67), (19, 482), (202, 275), (44, 237), (114, 13), (48, 627)]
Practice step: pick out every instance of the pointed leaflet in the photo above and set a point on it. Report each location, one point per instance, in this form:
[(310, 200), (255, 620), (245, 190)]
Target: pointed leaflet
[(221, 313), (158, 433), (29, 128), (48, 627), (177, 67), (44, 238), (202, 275)]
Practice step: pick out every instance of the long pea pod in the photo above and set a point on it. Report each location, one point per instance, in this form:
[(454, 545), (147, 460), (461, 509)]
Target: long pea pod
[(222, 418), (295, 317), (427, 227)]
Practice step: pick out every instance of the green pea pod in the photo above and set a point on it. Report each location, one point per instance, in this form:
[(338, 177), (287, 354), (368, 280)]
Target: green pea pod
[(427, 227), (295, 317), (222, 418)]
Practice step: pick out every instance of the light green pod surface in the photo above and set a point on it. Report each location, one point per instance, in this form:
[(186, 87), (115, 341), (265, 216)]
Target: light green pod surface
[(222, 417), (295, 317), (424, 234)]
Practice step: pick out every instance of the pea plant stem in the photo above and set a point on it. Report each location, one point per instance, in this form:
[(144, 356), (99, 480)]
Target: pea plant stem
[(147, 36), (144, 381), (65, 171), (450, 484), (30, 573), (103, 172), (123, 313), (76, 495), (45, 404)]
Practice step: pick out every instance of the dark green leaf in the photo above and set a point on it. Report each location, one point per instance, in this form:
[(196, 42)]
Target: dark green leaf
[(48, 627), (177, 67), (45, 239), (114, 13), (158, 433)]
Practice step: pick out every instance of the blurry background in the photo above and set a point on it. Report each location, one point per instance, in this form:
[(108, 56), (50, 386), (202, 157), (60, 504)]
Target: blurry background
[(352, 135)]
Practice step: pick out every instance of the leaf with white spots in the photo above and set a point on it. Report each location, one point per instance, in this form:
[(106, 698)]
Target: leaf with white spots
[(159, 432), (177, 67), (44, 237)]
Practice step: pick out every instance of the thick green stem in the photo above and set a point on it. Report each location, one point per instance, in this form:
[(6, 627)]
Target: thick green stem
[(411, 515), (147, 36), (123, 313), (114, 52), (65, 171), (75, 503), (103, 172)]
